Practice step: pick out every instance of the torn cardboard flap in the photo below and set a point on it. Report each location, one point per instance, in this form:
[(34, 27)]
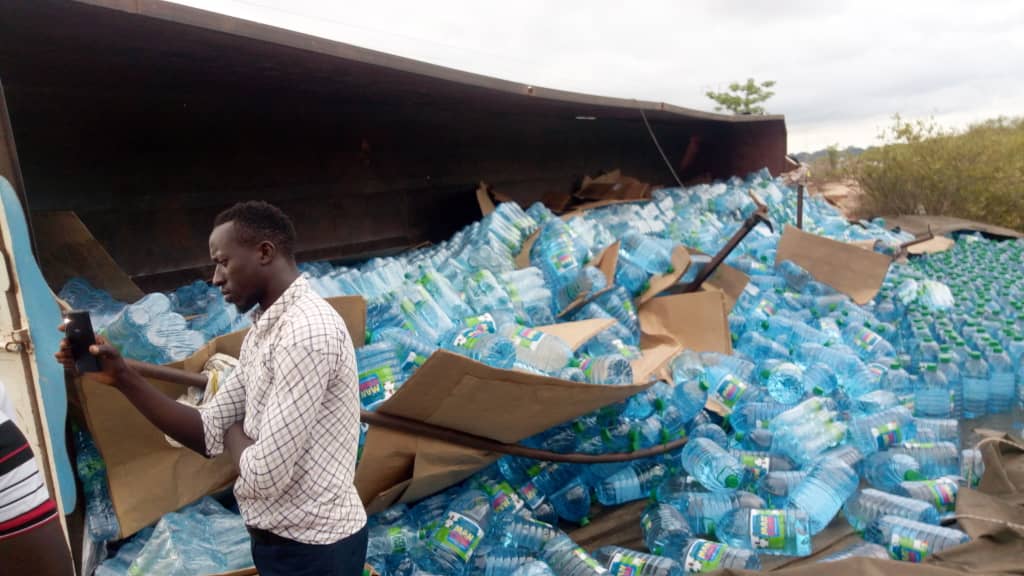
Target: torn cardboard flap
[(483, 198), (730, 281), (147, 476), (613, 186), (848, 269), (932, 246), (695, 321), (576, 334)]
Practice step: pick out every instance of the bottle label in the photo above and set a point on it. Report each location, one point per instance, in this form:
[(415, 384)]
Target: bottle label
[(757, 465), (907, 549), (505, 499), (460, 535), (531, 495), (865, 339), (768, 529), (484, 321), (528, 338), (731, 389), (563, 260), (470, 337), (703, 556), (399, 543), (918, 445), (943, 493), (588, 560), (376, 385), (765, 307), (413, 361), (624, 564), (887, 434)]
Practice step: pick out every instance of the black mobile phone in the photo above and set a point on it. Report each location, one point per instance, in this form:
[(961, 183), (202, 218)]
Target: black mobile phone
[(78, 331)]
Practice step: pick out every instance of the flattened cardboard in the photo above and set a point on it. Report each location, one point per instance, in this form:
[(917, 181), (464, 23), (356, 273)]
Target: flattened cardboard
[(933, 246), (865, 244), (483, 198), (695, 321), (613, 186), (454, 392), (851, 270), (147, 477), (67, 249)]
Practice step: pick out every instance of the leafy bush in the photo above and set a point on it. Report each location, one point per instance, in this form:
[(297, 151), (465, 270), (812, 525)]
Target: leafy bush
[(976, 174)]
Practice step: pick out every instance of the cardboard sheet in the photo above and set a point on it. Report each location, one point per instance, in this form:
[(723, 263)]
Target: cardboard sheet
[(856, 272), (483, 198), (149, 478), (933, 246), (726, 279), (613, 186), (67, 249), (680, 263)]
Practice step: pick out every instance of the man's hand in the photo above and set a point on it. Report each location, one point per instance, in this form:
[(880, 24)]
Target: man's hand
[(235, 442), (112, 366)]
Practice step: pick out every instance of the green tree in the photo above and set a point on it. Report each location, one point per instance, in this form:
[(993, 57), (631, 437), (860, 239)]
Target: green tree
[(743, 98)]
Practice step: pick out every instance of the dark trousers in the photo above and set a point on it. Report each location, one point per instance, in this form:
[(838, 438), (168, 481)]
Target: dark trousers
[(278, 556)]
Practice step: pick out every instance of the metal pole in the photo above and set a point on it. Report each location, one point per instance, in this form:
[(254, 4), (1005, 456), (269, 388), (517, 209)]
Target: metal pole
[(800, 206), (720, 256)]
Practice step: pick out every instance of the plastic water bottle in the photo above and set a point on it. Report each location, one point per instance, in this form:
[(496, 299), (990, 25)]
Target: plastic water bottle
[(897, 380), (937, 429), (911, 541), (880, 431), (933, 398), (588, 280), (867, 343), (707, 556), (713, 467), (543, 351), (524, 533), (972, 466), (100, 519), (498, 561), (803, 443), (572, 502), (625, 562), (632, 483), (774, 532), (795, 275), (859, 550), (754, 415), (453, 542), (709, 431), (423, 312), (774, 487), (411, 350), (481, 344), (379, 373), (654, 255), (939, 493), (505, 501), (759, 348), (827, 485), (1002, 391), (568, 559), (446, 296), (870, 504), (935, 458), (703, 510), (534, 568), (612, 370), (785, 383), (955, 381), (886, 470), (874, 402), (976, 378), (665, 529), (387, 540), (760, 463)]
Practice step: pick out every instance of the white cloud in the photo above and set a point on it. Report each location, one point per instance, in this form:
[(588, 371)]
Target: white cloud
[(842, 67)]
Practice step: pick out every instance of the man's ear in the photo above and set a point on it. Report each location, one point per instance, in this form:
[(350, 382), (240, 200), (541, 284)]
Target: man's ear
[(267, 251)]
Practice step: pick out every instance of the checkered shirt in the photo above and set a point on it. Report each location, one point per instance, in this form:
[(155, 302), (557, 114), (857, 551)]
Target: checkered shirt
[(296, 389)]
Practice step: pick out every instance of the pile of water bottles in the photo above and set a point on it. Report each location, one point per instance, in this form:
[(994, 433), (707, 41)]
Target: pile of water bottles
[(826, 408)]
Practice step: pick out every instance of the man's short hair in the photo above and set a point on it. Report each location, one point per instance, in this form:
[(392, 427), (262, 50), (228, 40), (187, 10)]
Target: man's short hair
[(257, 221)]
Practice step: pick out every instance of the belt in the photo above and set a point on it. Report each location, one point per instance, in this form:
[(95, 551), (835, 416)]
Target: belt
[(267, 538)]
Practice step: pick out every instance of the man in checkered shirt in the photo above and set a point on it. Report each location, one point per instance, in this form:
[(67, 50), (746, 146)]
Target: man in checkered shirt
[(288, 415)]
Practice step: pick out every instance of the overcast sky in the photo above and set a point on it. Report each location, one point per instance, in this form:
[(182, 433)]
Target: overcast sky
[(843, 68)]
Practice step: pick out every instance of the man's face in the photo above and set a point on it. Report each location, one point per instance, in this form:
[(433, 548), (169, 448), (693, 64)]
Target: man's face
[(239, 271)]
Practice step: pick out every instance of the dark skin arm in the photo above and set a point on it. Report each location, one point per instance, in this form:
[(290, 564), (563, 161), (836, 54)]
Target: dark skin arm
[(181, 422)]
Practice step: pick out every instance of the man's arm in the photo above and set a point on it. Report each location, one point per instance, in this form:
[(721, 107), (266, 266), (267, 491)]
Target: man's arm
[(181, 422), (301, 375)]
